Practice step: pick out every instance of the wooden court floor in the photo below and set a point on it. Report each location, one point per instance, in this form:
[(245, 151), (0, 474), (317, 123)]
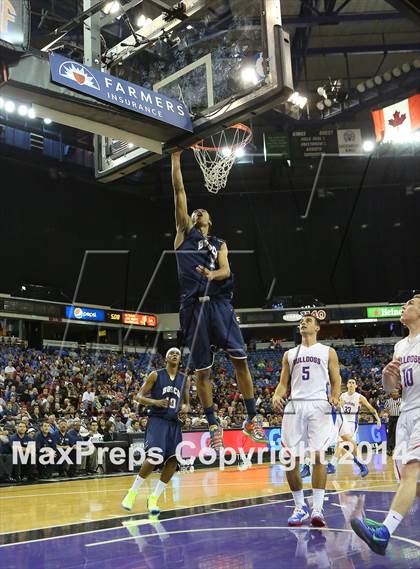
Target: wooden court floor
[(79, 501)]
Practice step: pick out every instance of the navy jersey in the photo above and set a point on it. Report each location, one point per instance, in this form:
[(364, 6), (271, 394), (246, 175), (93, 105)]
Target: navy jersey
[(171, 389), (43, 441), (24, 441), (195, 250)]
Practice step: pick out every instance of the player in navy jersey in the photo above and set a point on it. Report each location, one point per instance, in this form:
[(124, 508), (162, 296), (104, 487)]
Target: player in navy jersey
[(207, 317), (166, 393)]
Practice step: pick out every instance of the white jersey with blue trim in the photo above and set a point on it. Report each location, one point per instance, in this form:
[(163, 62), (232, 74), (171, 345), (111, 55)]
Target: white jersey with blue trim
[(408, 351), (351, 406), (309, 372)]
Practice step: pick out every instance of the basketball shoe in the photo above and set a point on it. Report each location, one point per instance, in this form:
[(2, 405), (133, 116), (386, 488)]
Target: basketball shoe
[(374, 534), (298, 516), (129, 500), (216, 436), (255, 430), (152, 505)]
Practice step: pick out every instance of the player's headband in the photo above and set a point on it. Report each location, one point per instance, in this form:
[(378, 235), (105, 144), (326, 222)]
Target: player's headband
[(173, 350)]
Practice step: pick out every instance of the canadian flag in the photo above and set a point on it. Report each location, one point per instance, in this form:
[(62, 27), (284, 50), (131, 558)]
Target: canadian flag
[(397, 122)]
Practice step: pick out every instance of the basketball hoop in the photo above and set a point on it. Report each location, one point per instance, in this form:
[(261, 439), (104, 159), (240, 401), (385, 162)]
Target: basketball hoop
[(218, 153)]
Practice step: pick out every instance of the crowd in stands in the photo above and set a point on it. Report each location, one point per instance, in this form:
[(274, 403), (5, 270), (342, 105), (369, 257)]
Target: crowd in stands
[(76, 396)]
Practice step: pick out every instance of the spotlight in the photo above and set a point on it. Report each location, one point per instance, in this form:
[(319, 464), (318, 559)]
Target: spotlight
[(143, 21), (22, 110), (396, 72), (387, 76), (31, 114), (406, 67), (297, 99), (240, 152), (416, 63), (378, 80), (112, 7), (368, 145), (320, 106), (328, 103), (9, 107), (47, 121), (249, 75), (190, 27), (321, 92), (361, 87), (226, 151), (370, 84)]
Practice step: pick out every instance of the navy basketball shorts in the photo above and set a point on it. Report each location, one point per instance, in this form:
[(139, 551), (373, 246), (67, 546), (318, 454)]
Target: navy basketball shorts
[(209, 325), (164, 435)]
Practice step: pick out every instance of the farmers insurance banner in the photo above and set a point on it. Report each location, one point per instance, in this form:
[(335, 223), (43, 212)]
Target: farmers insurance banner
[(14, 24), (116, 91)]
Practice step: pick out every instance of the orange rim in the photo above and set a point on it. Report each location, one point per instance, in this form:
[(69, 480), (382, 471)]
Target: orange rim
[(239, 126)]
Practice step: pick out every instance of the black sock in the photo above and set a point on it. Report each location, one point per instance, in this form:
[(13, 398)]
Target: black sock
[(251, 408), (210, 416)]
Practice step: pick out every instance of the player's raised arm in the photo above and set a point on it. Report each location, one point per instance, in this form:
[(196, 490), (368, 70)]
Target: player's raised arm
[(145, 390), (372, 409), (335, 377), (182, 219), (280, 394)]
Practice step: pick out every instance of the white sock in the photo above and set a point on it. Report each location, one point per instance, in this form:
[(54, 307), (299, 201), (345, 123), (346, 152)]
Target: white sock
[(299, 498), (318, 498), (392, 521), (334, 461), (160, 487), (137, 483)]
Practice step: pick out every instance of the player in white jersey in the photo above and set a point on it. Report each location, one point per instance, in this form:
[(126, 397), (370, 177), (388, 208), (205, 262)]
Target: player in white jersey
[(405, 370), (350, 403), (309, 420)]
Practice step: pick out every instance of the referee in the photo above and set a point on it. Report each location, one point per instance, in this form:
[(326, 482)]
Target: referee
[(392, 405)]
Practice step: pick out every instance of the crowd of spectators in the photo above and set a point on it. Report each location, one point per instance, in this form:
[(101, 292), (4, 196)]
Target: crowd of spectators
[(84, 395)]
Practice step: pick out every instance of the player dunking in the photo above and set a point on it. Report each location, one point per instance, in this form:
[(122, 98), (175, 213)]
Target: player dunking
[(206, 315), (309, 419), (169, 390), (405, 369)]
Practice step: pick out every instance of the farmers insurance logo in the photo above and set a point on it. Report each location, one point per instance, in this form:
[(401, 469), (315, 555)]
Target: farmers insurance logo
[(79, 74), (7, 15)]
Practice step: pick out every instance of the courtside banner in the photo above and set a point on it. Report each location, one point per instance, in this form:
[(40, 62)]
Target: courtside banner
[(116, 91)]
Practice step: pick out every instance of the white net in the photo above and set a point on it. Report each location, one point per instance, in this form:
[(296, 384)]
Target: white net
[(218, 153)]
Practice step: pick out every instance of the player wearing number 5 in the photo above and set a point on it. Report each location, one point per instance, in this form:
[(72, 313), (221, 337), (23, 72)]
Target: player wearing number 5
[(309, 420), (166, 393), (405, 370)]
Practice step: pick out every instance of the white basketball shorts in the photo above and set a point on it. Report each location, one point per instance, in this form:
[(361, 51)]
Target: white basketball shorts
[(308, 425), (346, 427), (407, 440)]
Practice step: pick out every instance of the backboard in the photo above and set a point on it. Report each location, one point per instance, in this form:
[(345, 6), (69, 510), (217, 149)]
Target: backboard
[(227, 60)]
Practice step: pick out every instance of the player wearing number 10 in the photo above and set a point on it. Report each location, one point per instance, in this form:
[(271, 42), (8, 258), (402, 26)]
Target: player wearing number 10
[(309, 421), (404, 369), (166, 393)]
